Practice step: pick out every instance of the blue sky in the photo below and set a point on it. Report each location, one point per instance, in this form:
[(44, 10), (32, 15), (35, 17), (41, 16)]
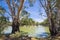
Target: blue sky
[(34, 11)]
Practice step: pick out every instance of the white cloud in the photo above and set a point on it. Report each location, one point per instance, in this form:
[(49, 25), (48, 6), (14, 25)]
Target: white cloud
[(10, 19)]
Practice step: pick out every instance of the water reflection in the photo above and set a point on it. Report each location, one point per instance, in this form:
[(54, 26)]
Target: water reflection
[(7, 30), (39, 32)]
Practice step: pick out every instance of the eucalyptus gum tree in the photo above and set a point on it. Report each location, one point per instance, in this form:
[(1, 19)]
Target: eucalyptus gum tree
[(58, 14), (15, 7), (48, 6)]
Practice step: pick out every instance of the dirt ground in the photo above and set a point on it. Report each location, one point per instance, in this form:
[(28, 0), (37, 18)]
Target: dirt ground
[(28, 38)]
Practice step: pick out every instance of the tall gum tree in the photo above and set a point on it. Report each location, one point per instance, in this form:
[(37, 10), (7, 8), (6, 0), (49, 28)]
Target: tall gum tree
[(15, 7), (48, 6)]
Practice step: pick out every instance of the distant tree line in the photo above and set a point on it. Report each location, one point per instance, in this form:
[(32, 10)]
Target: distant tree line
[(45, 23)]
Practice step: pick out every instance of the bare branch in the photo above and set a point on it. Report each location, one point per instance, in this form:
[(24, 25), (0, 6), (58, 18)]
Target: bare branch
[(42, 5), (53, 5), (20, 8), (45, 7), (8, 2), (13, 3), (8, 13), (45, 2)]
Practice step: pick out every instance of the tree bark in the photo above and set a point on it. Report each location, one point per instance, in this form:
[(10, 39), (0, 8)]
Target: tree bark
[(57, 23), (52, 27), (15, 25), (49, 12)]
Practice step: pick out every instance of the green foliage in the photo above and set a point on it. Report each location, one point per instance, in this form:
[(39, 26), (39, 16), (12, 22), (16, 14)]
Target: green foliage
[(24, 14), (45, 22), (2, 10), (3, 19), (27, 21), (3, 23), (27, 29), (31, 2)]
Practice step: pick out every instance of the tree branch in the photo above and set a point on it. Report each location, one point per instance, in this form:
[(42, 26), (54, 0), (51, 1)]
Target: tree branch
[(54, 4), (42, 5), (20, 8), (10, 8), (13, 3)]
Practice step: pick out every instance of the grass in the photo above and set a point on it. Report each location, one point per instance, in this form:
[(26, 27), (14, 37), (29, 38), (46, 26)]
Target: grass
[(28, 29), (47, 29), (31, 29)]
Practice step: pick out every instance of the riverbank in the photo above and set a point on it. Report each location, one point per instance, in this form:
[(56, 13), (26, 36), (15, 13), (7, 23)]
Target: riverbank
[(31, 31), (28, 38)]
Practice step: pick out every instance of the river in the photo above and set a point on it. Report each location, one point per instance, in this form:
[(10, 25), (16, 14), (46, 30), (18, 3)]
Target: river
[(39, 31)]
